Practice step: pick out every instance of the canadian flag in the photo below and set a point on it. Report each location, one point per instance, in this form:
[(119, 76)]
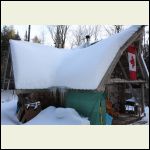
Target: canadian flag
[(132, 62)]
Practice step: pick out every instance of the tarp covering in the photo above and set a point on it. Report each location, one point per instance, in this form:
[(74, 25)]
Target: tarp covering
[(36, 66), (89, 104)]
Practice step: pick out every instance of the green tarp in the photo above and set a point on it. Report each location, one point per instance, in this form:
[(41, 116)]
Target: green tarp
[(89, 104)]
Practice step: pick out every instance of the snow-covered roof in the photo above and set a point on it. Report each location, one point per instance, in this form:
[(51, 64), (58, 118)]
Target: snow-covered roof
[(37, 66)]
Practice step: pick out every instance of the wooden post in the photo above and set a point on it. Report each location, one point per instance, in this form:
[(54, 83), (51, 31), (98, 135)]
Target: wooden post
[(140, 65), (126, 76), (29, 28), (143, 97), (121, 97), (9, 78)]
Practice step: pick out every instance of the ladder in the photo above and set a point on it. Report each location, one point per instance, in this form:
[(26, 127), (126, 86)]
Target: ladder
[(6, 81)]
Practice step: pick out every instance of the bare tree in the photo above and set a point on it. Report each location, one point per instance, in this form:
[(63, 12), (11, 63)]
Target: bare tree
[(118, 28), (113, 29), (79, 34), (58, 34), (42, 36), (96, 32)]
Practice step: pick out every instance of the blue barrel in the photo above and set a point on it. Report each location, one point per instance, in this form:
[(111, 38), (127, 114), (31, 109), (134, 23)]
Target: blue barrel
[(108, 119)]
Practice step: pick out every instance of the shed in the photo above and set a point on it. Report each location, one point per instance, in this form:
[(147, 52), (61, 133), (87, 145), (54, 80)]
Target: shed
[(80, 78)]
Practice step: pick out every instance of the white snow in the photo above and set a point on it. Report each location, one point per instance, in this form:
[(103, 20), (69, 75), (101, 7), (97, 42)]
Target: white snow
[(131, 99), (145, 64), (37, 66), (129, 108), (7, 95), (49, 116), (58, 116), (146, 118), (8, 113)]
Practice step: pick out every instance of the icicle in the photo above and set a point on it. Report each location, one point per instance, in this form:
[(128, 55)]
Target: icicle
[(53, 90), (62, 91)]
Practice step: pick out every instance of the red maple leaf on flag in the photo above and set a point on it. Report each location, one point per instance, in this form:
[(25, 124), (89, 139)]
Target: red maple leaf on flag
[(132, 62)]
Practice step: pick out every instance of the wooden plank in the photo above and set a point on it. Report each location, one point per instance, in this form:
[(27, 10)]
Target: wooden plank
[(9, 78), (113, 81), (23, 91), (143, 97), (101, 86), (140, 65), (13, 77), (143, 68), (126, 76)]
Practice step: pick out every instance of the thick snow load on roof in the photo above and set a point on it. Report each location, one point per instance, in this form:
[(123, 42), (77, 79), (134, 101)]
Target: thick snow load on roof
[(38, 66)]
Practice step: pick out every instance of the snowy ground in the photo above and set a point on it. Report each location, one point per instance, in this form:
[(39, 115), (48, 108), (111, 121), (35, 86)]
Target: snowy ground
[(49, 116), (145, 119), (8, 95)]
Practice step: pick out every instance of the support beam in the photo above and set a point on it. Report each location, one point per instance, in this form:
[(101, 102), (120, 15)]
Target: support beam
[(126, 76), (143, 97), (115, 80), (9, 78), (140, 65)]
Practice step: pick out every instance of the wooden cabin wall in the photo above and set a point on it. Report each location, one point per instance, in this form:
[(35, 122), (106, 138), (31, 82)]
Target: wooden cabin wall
[(51, 97), (118, 93)]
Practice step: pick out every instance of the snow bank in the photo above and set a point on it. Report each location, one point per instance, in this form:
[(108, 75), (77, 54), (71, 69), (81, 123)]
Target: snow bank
[(146, 118), (8, 113), (38, 66), (8, 95), (58, 116), (49, 116)]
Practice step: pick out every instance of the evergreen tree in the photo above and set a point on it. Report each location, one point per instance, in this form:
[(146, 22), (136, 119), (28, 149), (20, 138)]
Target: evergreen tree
[(7, 33), (17, 37)]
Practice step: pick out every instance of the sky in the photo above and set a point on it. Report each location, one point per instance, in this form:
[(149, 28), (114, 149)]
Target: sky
[(36, 30), (39, 30)]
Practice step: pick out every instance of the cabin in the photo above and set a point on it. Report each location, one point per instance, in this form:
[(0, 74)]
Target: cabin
[(103, 79)]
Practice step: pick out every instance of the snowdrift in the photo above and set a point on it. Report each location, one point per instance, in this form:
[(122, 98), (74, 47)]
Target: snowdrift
[(49, 116)]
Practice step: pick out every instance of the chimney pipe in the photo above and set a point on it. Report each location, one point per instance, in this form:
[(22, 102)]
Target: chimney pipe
[(87, 40)]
